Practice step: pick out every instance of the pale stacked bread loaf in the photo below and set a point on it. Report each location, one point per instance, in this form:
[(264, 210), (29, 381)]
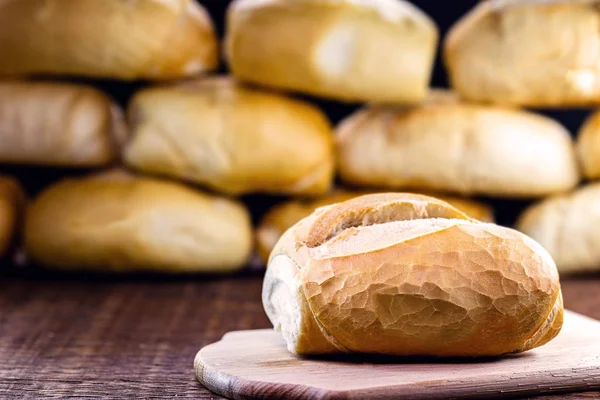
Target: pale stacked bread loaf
[(153, 39), (350, 50), (119, 222), (527, 53), (448, 145), (231, 138), (567, 226), (61, 124)]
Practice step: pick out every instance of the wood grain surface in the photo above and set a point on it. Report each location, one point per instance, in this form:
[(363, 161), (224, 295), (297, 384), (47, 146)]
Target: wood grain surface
[(255, 364), (97, 337)]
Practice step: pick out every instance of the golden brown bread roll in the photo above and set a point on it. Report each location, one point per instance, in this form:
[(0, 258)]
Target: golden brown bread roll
[(407, 274), (135, 39), (58, 124), (568, 226), (351, 50), (231, 138), (444, 145), (588, 147), (283, 216), (12, 200), (527, 53), (115, 222)]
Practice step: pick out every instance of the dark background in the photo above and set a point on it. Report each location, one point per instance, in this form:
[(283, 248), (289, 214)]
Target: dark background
[(444, 13)]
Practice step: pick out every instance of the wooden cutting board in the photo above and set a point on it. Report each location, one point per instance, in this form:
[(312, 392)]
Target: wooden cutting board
[(256, 365)]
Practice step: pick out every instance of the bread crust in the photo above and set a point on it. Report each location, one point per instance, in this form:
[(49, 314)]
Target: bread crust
[(477, 149), (231, 138), (116, 222), (283, 216), (58, 124), (407, 274), (12, 202), (135, 39), (527, 53), (567, 226), (340, 51)]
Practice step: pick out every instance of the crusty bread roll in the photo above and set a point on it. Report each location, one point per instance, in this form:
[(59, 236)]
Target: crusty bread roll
[(12, 200), (135, 39), (406, 274), (114, 222), (588, 147), (58, 124), (527, 53), (350, 50), (445, 145), (568, 226), (231, 138), (283, 216)]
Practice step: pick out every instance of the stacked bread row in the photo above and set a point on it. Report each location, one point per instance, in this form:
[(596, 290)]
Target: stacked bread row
[(114, 220), (502, 56), (242, 134)]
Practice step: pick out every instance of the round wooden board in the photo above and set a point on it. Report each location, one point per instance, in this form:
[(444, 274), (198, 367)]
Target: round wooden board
[(256, 365)]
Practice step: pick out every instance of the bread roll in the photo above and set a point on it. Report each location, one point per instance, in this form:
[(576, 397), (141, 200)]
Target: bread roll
[(12, 200), (350, 50), (406, 274), (474, 209), (120, 223), (283, 216), (588, 147), (135, 39), (527, 53), (231, 138), (445, 145), (568, 226), (58, 124)]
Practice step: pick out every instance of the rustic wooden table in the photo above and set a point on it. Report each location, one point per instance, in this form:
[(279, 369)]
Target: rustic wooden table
[(75, 337)]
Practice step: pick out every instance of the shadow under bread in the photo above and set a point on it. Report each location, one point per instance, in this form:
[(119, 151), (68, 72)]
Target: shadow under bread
[(387, 359), (37, 273)]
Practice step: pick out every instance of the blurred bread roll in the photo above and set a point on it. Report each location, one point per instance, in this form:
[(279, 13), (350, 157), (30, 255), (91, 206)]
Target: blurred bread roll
[(568, 226), (136, 39), (283, 216), (588, 146), (12, 201), (350, 50), (527, 53), (406, 274), (115, 222), (475, 209), (231, 138), (58, 124), (445, 145)]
